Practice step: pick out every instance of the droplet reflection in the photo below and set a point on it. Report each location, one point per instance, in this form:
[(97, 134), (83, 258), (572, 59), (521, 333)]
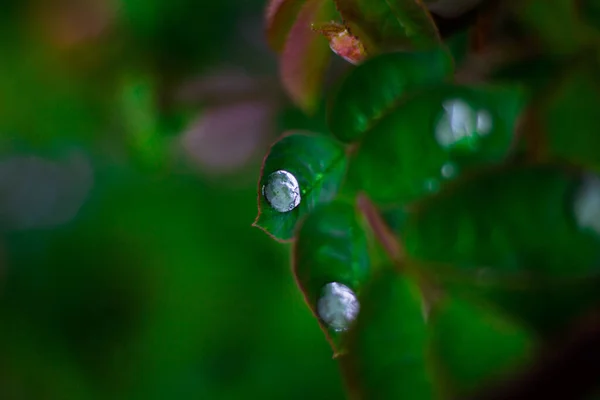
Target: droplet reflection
[(461, 123), (338, 306), (448, 170), (282, 191), (587, 204)]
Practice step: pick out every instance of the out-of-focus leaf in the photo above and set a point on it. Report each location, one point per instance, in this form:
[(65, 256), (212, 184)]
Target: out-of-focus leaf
[(386, 24), (141, 123), (459, 46), (522, 238), (331, 247), (227, 137), (473, 346), (434, 137), (37, 193), (280, 17), (387, 346), (589, 10), (306, 55), (300, 172), (373, 89), (343, 43), (556, 22), (569, 117)]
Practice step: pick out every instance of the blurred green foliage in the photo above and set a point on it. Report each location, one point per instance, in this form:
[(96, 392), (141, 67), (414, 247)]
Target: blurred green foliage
[(159, 288)]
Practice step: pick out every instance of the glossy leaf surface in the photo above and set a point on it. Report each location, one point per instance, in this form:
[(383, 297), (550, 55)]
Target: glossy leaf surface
[(374, 88), (387, 347), (317, 163), (280, 17), (331, 246), (390, 23), (473, 346), (526, 239), (432, 138), (512, 221), (306, 55)]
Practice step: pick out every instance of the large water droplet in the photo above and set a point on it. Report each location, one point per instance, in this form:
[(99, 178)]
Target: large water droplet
[(587, 204), (338, 306), (461, 123), (282, 191)]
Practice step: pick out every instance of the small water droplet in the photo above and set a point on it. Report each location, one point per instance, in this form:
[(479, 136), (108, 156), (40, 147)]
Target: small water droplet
[(587, 204), (461, 123), (431, 185), (448, 170), (338, 306), (282, 191)]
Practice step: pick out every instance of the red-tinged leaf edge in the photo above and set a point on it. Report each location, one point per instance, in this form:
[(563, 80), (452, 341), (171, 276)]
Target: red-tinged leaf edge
[(280, 16), (306, 56), (259, 189)]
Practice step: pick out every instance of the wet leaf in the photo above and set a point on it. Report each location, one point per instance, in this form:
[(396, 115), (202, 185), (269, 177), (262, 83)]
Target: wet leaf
[(306, 55), (474, 346), (301, 171), (380, 84), (385, 24), (432, 138), (526, 239), (387, 346), (570, 118), (280, 17), (331, 247)]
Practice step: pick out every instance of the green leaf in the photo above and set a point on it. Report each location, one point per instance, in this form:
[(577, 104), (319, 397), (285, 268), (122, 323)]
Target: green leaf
[(387, 346), (331, 246), (306, 55), (570, 118), (433, 138), (474, 346), (317, 163), (388, 24), (526, 239), (377, 86), (280, 17)]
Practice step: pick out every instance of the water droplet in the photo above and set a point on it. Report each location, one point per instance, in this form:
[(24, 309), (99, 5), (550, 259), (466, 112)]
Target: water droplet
[(587, 204), (431, 185), (461, 123), (448, 170), (338, 306), (282, 191)]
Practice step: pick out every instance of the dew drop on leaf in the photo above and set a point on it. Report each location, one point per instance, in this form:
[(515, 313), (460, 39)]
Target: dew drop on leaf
[(587, 204), (448, 170), (462, 124), (282, 191), (338, 306)]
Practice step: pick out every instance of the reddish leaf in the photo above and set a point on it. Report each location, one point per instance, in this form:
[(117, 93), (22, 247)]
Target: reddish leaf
[(280, 17), (306, 55), (343, 43)]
